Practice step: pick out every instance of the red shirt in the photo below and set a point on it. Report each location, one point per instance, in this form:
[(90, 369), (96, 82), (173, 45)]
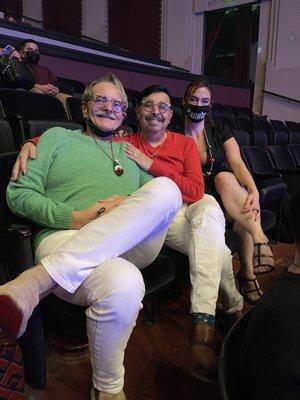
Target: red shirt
[(42, 74), (177, 159)]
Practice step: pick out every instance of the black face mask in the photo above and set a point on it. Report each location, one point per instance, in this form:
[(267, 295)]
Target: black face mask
[(196, 113), (32, 57), (98, 131)]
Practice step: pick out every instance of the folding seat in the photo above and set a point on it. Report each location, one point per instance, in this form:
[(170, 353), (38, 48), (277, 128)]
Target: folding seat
[(20, 106), (278, 126), (281, 138), (292, 126), (7, 143), (295, 137), (242, 137), (260, 138), (295, 151), (37, 127)]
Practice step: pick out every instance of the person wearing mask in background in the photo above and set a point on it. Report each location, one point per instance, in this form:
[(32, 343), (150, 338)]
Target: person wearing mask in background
[(228, 179)]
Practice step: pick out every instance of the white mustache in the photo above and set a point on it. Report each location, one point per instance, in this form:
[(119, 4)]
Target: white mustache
[(106, 115)]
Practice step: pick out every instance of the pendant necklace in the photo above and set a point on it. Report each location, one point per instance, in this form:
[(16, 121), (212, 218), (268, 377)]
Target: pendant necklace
[(211, 160), (118, 169), (147, 152)]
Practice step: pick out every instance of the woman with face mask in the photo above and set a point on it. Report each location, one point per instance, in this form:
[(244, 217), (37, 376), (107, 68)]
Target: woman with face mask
[(228, 179)]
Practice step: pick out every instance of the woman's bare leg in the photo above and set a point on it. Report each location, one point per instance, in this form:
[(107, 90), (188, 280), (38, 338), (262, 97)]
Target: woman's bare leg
[(233, 198)]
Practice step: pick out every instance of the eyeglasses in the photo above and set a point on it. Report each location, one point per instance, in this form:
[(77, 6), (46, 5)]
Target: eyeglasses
[(116, 105), (162, 107)]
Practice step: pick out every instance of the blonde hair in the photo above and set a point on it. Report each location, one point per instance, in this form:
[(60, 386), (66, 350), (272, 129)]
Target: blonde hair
[(109, 78)]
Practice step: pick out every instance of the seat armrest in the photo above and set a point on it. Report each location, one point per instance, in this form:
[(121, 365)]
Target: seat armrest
[(271, 196), (14, 231), (266, 175), (15, 249)]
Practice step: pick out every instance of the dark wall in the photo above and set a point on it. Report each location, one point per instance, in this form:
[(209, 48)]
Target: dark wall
[(13, 6), (63, 16), (135, 25)]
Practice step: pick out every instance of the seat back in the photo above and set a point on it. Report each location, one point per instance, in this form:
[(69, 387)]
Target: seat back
[(37, 127), (226, 121), (262, 124), (257, 160), (243, 124), (281, 138), (7, 161), (176, 123), (295, 137), (230, 363), (260, 138), (292, 126), (28, 105), (73, 105), (7, 143), (242, 137), (278, 126), (281, 157), (131, 119), (295, 151)]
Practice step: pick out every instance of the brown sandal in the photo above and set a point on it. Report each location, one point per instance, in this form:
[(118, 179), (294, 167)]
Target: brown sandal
[(258, 262), (245, 285)]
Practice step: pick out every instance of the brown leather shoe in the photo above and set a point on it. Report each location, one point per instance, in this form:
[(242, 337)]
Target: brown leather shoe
[(203, 361)]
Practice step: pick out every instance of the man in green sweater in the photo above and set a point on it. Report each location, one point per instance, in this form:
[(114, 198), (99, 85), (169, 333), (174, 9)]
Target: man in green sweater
[(102, 217)]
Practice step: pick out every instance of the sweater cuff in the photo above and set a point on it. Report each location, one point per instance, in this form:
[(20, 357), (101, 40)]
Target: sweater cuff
[(63, 217)]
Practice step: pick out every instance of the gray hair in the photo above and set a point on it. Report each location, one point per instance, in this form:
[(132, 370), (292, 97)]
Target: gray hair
[(109, 78)]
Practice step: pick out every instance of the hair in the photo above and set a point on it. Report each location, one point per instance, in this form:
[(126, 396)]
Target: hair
[(196, 84), (295, 215), (152, 89), (109, 78), (25, 41)]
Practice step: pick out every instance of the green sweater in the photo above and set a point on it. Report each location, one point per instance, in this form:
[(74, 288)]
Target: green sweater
[(70, 173)]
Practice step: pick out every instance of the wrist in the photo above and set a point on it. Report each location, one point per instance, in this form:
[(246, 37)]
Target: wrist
[(75, 220)]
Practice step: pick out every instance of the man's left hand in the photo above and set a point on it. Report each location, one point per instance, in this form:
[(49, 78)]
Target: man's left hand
[(137, 156)]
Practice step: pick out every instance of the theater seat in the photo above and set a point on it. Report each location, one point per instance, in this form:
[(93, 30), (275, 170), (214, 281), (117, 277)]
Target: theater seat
[(242, 137), (37, 127), (19, 107), (7, 143)]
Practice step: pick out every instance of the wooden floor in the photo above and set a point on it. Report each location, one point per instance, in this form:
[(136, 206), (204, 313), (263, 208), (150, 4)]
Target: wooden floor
[(155, 358)]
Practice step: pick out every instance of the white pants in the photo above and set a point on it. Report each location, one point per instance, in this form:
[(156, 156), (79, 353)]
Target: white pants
[(89, 271), (198, 231)]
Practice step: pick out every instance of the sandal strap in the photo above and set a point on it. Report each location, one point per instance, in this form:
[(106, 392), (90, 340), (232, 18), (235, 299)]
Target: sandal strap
[(201, 342)]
